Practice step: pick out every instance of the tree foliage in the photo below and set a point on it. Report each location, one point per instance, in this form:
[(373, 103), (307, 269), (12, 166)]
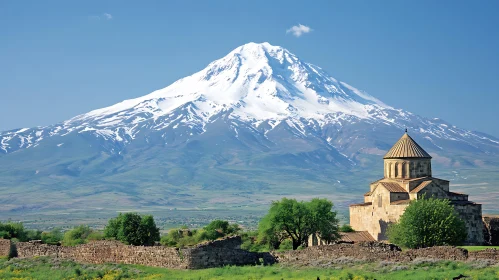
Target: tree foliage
[(80, 235), (218, 228), (52, 237), (16, 231), (131, 228), (290, 219), (428, 222)]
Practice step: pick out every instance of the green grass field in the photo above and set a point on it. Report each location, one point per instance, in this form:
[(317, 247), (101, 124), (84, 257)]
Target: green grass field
[(479, 248), (48, 268)]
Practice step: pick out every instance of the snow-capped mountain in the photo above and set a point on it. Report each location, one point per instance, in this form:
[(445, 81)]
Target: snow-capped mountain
[(256, 117), (260, 85)]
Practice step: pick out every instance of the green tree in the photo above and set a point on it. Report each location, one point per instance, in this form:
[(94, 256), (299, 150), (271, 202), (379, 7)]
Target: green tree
[(148, 231), (131, 228), (428, 222), (295, 220)]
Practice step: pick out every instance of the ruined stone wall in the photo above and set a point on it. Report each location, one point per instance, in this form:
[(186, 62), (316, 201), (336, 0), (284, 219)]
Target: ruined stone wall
[(491, 230), (4, 247), (99, 252), (487, 254), (210, 254), (367, 252)]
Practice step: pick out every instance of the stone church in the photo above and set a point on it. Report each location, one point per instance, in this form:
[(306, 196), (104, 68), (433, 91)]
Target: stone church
[(408, 176)]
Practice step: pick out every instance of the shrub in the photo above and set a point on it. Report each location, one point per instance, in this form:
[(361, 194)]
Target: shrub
[(346, 228), (218, 228), (76, 236), (184, 237), (13, 230), (53, 237), (426, 223)]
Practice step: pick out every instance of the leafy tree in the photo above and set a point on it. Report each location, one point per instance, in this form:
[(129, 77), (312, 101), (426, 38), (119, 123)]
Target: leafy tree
[(148, 231), (131, 228), (295, 220), (323, 220), (428, 222), (269, 234)]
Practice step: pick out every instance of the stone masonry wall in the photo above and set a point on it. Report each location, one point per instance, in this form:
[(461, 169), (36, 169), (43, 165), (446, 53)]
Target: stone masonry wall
[(226, 252), (471, 214), (491, 230), (368, 252), (210, 254), (4, 247), (99, 252)]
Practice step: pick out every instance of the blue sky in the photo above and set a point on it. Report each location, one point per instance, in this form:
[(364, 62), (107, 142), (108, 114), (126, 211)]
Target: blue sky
[(63, 58)]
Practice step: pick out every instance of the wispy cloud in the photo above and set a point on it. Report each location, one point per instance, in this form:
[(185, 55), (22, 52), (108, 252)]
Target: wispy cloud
[(104, 16), (108, 16), (299, 30)]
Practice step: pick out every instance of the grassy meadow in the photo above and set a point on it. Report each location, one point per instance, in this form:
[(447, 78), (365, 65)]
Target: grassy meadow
[(48, 268)]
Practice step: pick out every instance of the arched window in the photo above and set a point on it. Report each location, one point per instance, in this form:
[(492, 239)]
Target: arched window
[(396, 170), (404, 171), (380, 201)]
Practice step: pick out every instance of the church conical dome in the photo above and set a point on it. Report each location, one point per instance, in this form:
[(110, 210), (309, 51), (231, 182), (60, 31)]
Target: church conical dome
[(406, 147)]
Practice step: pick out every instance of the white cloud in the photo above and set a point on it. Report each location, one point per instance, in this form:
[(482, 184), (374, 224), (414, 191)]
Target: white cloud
[(108, 16), (299, 30), (104, 16)]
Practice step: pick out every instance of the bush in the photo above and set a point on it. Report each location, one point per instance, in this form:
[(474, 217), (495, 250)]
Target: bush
[(184, 237), (218, 228), (346, 228), (76, 236), (286, 245), (13, 230), (426, 223), (53, 237), (251, 242), (133, 229)]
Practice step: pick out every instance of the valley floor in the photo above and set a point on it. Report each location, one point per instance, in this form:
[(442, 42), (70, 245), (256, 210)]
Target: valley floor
[(49, 268)]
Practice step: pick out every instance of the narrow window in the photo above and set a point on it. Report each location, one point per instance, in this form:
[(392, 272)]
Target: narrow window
[(380, 202)]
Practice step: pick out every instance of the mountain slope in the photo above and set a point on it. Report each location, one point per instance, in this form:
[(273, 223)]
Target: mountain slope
[(250, 121)]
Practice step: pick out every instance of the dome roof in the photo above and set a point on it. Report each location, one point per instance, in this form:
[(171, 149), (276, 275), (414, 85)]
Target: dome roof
[(406, 147)]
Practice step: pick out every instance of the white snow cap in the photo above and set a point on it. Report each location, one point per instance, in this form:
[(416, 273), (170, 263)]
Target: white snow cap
[(258, 82)]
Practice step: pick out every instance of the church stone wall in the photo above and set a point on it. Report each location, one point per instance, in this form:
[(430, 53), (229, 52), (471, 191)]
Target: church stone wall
[(432, 190), (405, 169), (491, 230), (376, 217), (472, 217)]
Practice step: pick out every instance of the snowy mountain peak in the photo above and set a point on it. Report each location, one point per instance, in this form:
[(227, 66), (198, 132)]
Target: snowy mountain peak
[(258, 85), (258, 82)]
